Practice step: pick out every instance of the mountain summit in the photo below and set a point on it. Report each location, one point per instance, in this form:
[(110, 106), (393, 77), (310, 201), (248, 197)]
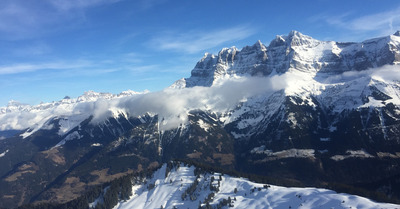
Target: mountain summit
[(294, 51)]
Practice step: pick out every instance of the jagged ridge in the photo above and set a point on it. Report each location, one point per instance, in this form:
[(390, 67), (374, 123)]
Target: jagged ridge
[(296, 51)]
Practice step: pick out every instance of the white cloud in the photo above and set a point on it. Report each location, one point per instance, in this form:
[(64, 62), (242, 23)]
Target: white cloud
[(21, 19), (144, 68), (385, 21), (81, 66), (34, 49), (17, 19), (174, 104), (147, 4), (382, 23), (28, 67), (78, 4), (196, 41), (386, 72)]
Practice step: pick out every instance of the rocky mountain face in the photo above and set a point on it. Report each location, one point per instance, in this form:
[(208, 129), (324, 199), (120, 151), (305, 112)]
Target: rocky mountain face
[(294, 51), (300, 110)]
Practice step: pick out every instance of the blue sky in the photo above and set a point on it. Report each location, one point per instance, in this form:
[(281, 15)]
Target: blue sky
[(54, 48)]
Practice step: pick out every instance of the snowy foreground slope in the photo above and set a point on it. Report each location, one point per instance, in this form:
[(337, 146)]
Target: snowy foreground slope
[(168, 190)]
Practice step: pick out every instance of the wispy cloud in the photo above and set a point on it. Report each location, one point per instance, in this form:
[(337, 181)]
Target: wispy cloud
[(16, 19), (34, 49), (21, 19), (386, 21), (144, 68), (29, 67), (78, 4), (173, 104), (81, 67), (196, 41), (147, 4), (382, 23)]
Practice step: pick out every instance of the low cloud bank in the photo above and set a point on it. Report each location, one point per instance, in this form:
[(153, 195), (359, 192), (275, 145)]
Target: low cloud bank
[(386, 72), (172, 105)]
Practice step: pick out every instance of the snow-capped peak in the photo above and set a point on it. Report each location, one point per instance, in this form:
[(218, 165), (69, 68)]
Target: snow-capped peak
[(130, 93), (93, 96), (294, 51), (13, 106), (258, 46), (17, 116), (294, 38), (297, 39), (13, 103)]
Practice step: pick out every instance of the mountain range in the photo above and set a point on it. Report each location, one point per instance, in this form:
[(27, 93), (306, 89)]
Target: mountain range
[(300, 111)]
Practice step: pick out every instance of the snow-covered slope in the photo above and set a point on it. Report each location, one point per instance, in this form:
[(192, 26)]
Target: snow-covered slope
[(165, 190), (333, 94)]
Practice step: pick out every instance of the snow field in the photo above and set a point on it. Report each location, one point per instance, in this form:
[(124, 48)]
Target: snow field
[(168, 193)]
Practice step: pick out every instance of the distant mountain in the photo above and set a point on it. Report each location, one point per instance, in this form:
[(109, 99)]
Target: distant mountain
[(310, 112)]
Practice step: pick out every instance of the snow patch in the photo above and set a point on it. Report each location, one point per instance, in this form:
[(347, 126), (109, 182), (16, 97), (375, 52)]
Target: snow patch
[(352, 154), (373, 103), (325, 139), (290, 153), (70, 122), (69, 137), (100, 199), (389, 155), (4, 153), (292, 120), (323, 151), (205, 126), (259, 150), (238, 136), (246, 122)]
